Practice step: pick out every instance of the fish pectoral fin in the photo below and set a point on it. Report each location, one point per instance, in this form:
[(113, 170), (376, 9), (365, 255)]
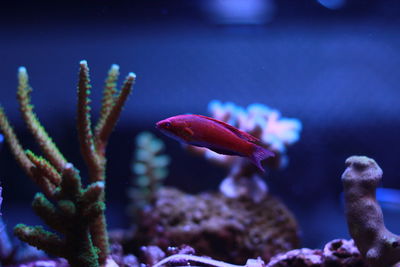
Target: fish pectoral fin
[(188, 131)]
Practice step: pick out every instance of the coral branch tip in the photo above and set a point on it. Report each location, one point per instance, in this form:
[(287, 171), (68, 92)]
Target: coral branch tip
[(114, 67), (132, 75), (22, 70)]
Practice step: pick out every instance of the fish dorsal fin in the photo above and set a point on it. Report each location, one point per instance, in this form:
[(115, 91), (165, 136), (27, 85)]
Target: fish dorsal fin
[(244, 135)]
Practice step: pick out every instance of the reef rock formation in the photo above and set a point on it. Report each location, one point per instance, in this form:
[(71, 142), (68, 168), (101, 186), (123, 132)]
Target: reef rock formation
[(214, 225), (377, 244)]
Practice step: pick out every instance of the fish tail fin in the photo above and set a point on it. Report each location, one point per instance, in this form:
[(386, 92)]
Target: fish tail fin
[(259, 154)]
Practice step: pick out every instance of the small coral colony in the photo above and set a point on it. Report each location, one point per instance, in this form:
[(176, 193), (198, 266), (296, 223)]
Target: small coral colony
[(241, 224)]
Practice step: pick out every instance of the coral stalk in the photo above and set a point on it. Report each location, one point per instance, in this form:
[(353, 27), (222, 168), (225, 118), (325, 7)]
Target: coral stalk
[(15, 145), (68, 218), (96, 170), (112, 117), (365, 221), (42, 138), (93, 146), (110, 90)]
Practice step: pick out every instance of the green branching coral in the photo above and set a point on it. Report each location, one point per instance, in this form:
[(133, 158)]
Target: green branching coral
[(150, 168), (73, 211)]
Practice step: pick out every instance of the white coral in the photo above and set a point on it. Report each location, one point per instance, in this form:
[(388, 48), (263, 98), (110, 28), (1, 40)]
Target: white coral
[(259, 120)]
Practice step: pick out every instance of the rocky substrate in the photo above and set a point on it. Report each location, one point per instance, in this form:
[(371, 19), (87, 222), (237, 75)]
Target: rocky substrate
[(236, 231), (222, 228), (337, 253)]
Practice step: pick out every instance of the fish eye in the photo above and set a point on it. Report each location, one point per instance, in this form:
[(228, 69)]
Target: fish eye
[(167, 124)]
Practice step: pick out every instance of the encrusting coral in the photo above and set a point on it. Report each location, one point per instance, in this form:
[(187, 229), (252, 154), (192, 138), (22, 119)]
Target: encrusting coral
[(275, 132), (73, 211), (377, 244)]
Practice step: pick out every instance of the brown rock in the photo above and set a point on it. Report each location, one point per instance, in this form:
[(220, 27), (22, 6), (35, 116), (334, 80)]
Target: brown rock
[(226, 229)]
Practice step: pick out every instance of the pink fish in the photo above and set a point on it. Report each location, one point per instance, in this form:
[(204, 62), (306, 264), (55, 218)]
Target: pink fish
[(216, 135)]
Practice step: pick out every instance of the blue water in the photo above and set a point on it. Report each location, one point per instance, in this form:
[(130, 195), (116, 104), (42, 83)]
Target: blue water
[(335, 70)]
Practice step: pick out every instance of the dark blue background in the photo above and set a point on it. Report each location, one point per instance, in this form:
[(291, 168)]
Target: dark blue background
[(335, 70)]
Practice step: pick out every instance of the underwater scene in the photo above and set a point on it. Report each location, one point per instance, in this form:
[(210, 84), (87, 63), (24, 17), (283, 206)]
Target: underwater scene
[(224, 133)]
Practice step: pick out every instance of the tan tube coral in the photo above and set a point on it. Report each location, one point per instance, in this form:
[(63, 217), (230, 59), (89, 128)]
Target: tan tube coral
[(365, 221)]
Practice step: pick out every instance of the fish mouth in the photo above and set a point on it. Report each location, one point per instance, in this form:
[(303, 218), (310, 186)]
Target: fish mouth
[(163, 125)]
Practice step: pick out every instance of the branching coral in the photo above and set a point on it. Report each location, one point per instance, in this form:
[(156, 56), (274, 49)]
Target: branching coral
[(150, 168), (74, 212), (12, 252), (365, 221), (275, 132)]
